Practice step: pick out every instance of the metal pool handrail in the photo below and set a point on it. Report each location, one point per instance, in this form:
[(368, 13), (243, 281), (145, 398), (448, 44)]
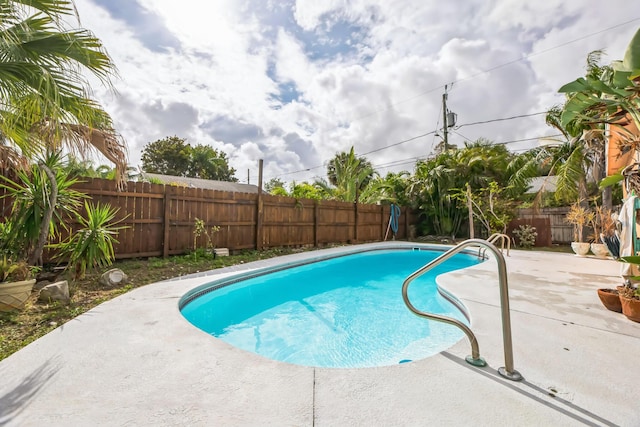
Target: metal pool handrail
[(502, 237), (507, 371)]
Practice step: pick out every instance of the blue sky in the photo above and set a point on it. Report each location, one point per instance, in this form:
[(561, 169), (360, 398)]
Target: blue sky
[(294, 82)]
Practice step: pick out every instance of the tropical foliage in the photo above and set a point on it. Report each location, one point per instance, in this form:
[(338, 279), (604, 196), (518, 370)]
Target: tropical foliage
[(608, 97), (173, 156), (348, 176), (92, 245), (44, 84), (39, 203), (438, 183), (348, 165)]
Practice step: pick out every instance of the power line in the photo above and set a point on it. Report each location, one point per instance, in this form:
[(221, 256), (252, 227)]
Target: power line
[(502, 119), (468, 78), (414, 138), (398, 143), (481, 72), (298, 171), (528, 139), (413, 159)]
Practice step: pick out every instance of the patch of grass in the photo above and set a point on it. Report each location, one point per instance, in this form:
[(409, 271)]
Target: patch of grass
[(20, 328)]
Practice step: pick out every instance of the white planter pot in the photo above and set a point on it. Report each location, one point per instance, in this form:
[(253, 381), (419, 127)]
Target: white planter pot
[(580, 248), (600, 250), (13, 295)]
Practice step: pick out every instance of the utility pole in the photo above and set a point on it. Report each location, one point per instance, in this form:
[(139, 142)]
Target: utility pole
[(445, 128), (448, 119)]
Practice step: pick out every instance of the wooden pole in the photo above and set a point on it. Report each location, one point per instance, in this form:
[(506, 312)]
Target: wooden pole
[(168, 190), (316, 218), (470, 208), (259, 210)]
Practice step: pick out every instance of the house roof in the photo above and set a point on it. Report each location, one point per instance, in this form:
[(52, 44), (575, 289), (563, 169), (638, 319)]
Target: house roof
[(200, 183), (546, 183)]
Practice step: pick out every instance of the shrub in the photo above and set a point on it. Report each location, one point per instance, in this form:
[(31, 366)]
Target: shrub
[(526, 235)]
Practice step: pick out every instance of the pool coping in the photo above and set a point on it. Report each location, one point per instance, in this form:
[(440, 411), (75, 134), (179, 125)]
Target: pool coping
[(135, 360)]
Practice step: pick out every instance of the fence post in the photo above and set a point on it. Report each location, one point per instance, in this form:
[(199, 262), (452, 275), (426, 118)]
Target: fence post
[(406, 223), (165, 220), (259, 210), (316, 215), (356, 222), (382, 228)]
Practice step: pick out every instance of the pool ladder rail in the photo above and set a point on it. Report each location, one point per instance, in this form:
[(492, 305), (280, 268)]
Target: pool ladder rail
[(474, 359), (482, 251)]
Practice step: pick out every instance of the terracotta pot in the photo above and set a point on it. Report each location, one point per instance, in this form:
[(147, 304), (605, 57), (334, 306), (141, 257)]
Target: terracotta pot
[(580, 248), (13, 295), (610, 299), (631, 308)]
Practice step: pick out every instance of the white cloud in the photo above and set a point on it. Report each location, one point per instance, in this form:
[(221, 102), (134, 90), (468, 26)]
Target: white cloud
[(294, 82)]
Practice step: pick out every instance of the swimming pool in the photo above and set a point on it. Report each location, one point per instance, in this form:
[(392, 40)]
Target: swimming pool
[(343, 311)]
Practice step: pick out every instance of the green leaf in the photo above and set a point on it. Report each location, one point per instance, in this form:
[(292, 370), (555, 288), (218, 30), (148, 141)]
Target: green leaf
[(610, 180), (575, 86), (631, 59), (631, 259)]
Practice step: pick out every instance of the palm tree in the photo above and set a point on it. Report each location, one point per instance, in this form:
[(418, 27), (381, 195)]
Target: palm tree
[(44, 91), (43, 86), (349, 175), (349, 163)]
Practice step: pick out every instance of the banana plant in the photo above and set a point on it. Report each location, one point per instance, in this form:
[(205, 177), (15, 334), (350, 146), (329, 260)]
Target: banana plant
[(608, 99)]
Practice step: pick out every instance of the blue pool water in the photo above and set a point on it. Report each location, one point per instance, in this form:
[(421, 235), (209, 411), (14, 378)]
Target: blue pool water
[(340, 312)]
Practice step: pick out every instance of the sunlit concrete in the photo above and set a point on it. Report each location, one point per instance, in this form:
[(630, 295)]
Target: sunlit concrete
[(135, 361)]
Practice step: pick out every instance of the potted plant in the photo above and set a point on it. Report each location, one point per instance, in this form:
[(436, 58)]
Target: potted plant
[(610, 298), (630, 294), (16, 283), (630, 301), (603, 226), (579, 217)]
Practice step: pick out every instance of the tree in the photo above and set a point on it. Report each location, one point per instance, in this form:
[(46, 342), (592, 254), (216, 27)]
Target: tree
[(209, 163), (348, 163), (42, 202), (173, 156), (274, 184), (607, 96), (305, 190), (348, 174), (43, 84), (391, 188), (437, 183), (44, 87), (168, 156), (580, 153)]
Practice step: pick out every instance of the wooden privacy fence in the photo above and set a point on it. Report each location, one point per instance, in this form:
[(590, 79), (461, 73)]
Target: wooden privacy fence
[(160, 220), (555, 218)]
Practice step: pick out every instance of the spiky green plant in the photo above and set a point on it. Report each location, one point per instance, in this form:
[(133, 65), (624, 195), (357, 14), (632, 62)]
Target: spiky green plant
[(30, 193), (92, 245)]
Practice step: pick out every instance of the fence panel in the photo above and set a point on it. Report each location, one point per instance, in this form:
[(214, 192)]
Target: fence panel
[(561, 230), (160, 220)]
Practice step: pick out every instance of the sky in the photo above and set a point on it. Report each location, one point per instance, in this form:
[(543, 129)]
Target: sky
[(294, 82)]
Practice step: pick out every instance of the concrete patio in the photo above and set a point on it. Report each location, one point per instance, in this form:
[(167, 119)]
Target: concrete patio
[(135, 361)]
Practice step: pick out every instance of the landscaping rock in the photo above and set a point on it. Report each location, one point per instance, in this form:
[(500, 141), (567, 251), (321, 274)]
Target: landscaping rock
[(41, 284), (58, 291), (47, 276), (113, 278)]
